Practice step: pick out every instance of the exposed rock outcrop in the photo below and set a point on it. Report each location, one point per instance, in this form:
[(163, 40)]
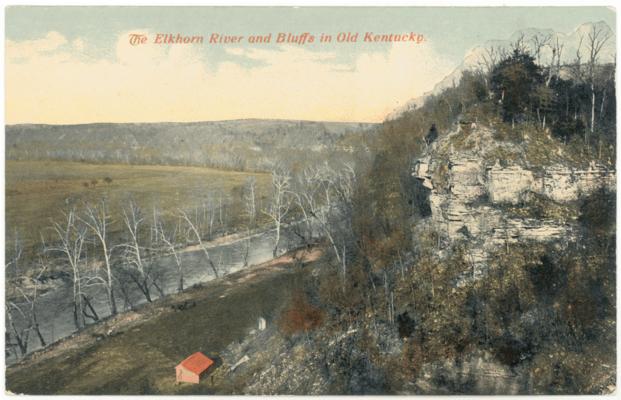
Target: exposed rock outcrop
[(486, 201)]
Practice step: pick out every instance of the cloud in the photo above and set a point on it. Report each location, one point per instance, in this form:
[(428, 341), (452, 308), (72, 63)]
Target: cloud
[(174, 83), (78, 44), (30, 48)]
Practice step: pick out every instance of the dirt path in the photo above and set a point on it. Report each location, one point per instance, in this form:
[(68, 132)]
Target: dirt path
[(136, 352)]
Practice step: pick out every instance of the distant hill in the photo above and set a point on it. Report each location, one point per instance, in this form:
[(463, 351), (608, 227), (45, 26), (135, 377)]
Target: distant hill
[(250, 144)]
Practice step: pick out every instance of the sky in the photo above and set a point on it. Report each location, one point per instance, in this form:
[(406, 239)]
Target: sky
[(70, 65)]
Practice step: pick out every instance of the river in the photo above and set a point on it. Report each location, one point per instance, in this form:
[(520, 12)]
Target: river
[(55, 307)]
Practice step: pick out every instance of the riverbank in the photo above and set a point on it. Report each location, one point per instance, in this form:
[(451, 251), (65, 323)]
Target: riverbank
[(136, 352), (230, 253)]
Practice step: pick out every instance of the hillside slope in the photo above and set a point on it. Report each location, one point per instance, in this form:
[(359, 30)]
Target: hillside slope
[(238, 144)]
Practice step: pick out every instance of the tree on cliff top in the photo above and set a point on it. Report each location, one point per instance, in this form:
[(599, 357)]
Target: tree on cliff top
[(514, 83)]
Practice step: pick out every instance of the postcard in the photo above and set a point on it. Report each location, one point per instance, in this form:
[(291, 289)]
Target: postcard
[(310, 200)]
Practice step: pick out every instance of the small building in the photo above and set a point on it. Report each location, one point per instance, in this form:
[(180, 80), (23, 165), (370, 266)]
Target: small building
[(193, 368)]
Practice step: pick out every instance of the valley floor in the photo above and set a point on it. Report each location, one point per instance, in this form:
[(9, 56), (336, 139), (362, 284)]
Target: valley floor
[(136, 352), (40, 191)]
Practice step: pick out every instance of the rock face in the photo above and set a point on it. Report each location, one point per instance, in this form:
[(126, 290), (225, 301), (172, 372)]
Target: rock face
[(470, 196), (557, 182), (506, 185), (562, 184), (479, 372)]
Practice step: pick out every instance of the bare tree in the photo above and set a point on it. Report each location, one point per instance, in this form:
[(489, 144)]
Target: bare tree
[(246, 248), (32, 299), (578, 75), (206, 223), (138, 269), (555, 62), (197, 235), (21, 335), (97, 219), (155, 226), (539, 42), (250, 201), (344, 191), (577, 64), (317, 201), (221, 212), (169, 240), (597, 38), (280, 203), (519, 46), (71, 236), (488, 61), (15, 254), (27, 308), (306, 199), (125, 290), (326, 198)]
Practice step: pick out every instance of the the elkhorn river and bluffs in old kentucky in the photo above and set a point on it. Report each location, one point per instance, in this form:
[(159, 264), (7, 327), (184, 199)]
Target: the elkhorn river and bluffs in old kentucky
[(374, 211)]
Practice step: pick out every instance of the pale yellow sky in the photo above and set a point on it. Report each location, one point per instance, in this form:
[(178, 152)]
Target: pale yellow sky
[(50, 79), (74, 64)]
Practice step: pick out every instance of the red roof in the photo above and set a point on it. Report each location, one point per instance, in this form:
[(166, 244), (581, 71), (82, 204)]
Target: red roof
[(197, 363)]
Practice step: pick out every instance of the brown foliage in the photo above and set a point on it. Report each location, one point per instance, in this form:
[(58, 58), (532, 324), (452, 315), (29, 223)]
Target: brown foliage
[(300, 316), (346, 299)]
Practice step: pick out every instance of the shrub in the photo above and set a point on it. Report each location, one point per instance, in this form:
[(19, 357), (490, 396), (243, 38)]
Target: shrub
[(300, 316)]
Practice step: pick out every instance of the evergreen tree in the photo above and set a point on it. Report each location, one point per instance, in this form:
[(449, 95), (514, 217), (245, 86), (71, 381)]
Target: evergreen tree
[(514, 83)]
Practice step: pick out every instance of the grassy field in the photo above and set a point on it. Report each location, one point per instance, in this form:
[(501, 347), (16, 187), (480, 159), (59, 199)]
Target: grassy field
[(38, 191), (140, 357)]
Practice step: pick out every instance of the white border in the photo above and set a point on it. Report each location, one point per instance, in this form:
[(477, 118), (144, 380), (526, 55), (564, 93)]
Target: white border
[(294, 3)]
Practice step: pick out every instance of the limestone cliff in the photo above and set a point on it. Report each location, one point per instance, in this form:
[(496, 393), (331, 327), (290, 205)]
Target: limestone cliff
[(489, 192)]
